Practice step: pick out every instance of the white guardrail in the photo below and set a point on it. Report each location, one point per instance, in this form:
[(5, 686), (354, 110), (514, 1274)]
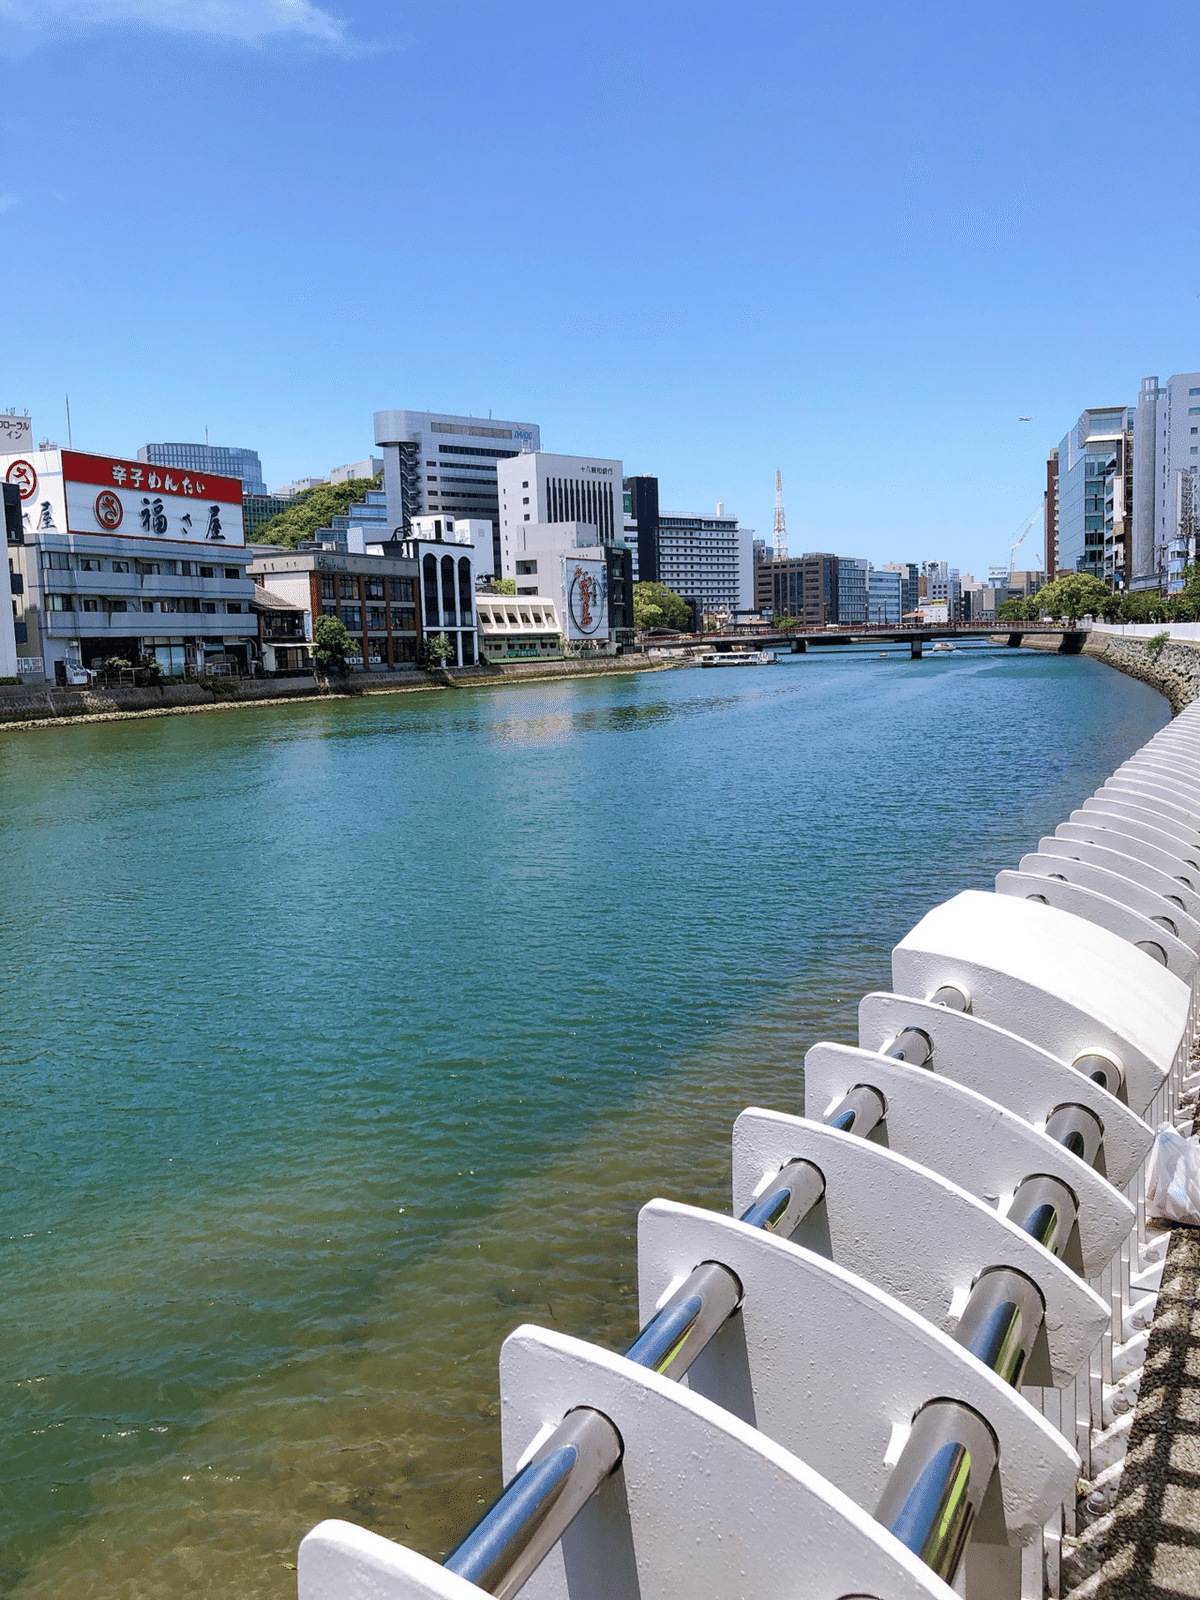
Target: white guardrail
[(924, 1323)]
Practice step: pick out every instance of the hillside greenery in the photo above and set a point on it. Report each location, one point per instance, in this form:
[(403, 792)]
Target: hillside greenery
[(314, 509)]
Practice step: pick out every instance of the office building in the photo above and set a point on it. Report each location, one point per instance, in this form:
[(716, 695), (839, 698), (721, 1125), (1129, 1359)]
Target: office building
[(641, 512), (541, 489), (1050, 536), (443, 465), (117, 559), (298, 486), (805, 587), (910, 583), (1090, 493), (259, 509), (209, 461), (371, 467), (1166, 462), (707, 558), (941, 585), (885, 595), (852, 589), (376, 598), (446, 551)]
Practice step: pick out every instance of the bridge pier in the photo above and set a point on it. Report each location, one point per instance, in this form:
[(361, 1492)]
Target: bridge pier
[(916, 649), (1014, 640), (799, 647)]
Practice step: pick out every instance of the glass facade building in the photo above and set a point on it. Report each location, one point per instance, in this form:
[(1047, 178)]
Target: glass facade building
[(1093, 466), (228, 461)]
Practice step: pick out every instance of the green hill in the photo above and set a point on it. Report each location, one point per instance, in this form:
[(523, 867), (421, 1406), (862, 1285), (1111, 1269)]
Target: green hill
[(314, 509)]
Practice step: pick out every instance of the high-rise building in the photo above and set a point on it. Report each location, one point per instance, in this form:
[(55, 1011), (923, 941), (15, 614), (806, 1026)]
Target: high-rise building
[(228, 461), (538, 489), (708, 559), (852, 589), (885, 588), (435, 463), (1166, 461), (641, 507), (804, 586), (1090, 493), (1050, 554), (943, 586), (910, 586)]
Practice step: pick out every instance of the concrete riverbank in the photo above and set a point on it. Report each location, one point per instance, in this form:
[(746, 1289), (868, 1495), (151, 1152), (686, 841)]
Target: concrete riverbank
[(44, 705)]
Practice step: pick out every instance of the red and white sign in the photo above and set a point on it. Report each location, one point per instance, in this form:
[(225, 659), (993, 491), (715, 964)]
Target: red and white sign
[(21, 472), (66, 491)]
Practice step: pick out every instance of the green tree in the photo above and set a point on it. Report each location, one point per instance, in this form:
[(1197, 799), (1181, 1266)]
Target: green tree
[(656, 606), (1012, 610), (313, 509), (332, 643), (438, 648), (504, 585), (1074, 595)]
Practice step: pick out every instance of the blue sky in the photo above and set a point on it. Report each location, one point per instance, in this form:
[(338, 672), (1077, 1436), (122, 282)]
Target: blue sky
[(853, 242)]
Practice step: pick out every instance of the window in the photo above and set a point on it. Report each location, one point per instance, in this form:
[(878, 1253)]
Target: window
[(233, 573), (526, 568), (404, 617), (120, 566), (348, 587), (88, 564), (525, 502), (91, 605), (402, 589), (209, 607), (376, 618), (326, 588), (117, 605), (60, 602), (1194, 411), (525, 484), (1194, 391), (373, 588), (205, 572), (352, 618), (147, 605), (430, 478), (56, 560), (233, 606), (527, 516), (187, 569)]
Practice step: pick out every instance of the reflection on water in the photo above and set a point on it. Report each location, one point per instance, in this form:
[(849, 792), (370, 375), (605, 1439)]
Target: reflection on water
[(345, 1037)]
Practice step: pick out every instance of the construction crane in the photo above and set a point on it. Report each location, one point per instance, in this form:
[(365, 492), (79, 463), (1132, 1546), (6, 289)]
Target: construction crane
[(780, 529), (1024, 534)]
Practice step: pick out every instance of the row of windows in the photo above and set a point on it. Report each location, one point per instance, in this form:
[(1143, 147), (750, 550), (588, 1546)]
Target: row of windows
[(65, 561), (185, 603), (401, 618), (474, 450), (373, 588)]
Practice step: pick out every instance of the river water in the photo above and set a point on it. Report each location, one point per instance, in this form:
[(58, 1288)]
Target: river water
[(341, 1038)]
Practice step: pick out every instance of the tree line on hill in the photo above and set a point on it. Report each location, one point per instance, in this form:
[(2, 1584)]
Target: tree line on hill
[(313, 509)]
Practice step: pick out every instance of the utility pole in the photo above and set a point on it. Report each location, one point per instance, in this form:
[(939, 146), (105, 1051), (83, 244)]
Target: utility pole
[(781, 548)]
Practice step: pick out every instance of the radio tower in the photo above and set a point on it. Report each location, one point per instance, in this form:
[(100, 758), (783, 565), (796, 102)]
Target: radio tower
[(780, 520)]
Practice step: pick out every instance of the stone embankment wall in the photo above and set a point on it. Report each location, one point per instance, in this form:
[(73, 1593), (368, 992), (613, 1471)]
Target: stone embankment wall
[(44, 703)]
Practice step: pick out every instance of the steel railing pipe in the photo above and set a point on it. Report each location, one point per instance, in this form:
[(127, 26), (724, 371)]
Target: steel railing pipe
[(513, 1538), (1046, 1209), (1078, 1130), (861, 1111), (913, 1046), (1001, 1321), (936, 1488), (792, 1194), (680, 1329)]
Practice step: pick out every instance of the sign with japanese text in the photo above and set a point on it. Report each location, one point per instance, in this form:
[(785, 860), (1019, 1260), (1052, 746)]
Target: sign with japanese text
[(16, 433), (586, 585), (66, 491)]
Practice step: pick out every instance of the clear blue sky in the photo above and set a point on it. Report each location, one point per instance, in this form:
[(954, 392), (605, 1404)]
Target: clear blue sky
[(855, 242)]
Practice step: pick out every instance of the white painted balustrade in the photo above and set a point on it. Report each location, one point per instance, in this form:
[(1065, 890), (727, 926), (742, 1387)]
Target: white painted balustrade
[(918, 1340)]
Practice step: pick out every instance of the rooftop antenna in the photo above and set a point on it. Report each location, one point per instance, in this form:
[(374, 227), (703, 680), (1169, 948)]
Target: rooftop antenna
[(206, 436), (70, 441), (780, 520)]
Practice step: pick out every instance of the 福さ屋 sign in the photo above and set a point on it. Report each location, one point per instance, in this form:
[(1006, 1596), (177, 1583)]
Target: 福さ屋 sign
[(68, 491)]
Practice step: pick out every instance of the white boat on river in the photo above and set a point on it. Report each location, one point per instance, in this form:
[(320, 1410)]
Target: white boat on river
[(738, 658)]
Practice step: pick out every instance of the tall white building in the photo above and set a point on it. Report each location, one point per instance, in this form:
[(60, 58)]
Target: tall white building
[(707, 558), (885, 588), (435, 464), (537, 488), (1166, 463)]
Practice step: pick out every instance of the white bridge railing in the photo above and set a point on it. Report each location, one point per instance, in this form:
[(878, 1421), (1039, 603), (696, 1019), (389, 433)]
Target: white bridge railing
[(912, 1352)]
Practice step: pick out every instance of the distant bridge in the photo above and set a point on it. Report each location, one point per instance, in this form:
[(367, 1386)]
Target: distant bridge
[(915, 635)]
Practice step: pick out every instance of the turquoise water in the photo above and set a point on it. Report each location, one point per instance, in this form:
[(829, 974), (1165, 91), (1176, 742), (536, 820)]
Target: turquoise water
[(340, 1038)]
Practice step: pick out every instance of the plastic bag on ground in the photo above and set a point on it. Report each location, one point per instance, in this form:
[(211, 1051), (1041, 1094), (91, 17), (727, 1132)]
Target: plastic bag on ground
[(1173, 1177)]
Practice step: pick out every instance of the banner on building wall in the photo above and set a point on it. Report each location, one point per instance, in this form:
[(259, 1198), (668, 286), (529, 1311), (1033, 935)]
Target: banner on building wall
[(66, 491), (586, 585)]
